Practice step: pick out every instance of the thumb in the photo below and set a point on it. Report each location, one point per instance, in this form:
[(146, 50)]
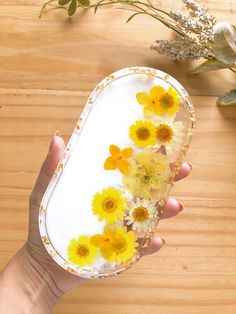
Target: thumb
[(56, 149)]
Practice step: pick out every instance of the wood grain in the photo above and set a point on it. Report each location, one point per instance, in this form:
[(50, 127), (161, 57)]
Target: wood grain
[(48, 68)]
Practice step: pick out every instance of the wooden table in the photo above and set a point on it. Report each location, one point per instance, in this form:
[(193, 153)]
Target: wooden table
[(48, 67)]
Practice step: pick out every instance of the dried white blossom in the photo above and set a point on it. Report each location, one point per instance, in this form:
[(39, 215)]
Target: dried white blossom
[(194, 6), (182, 49), (197, 26)]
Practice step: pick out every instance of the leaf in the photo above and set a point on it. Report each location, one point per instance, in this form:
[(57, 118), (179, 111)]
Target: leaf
[(63, 2), (224, 45), (72, 7), (228, 99), (84, 2), (210, 65)]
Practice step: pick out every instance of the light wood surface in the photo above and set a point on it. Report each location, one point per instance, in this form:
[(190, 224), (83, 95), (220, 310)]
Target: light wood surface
[(47, 69)]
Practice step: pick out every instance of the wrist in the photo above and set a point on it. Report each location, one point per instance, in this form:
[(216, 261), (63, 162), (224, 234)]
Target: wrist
[(27, 287)]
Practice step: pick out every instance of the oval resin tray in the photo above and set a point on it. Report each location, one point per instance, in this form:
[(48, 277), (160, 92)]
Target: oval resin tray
[(105, 199)]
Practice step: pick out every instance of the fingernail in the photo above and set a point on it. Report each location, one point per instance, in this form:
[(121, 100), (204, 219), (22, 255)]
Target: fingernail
[(181, 206), (51, 143), (190, 164), (57, 133)]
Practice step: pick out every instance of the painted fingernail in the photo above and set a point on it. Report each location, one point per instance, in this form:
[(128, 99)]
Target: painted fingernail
[(190, 164), (181, 206), (57, 133)]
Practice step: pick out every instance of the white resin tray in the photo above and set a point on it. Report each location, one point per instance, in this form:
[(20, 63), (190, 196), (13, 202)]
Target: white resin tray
[(105, 199)]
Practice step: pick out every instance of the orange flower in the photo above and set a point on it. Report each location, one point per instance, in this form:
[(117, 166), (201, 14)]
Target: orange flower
[(118, 159)]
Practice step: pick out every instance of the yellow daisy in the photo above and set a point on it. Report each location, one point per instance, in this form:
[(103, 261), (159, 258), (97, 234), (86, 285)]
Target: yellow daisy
[(109, 205), (81, 252), (142, 133), (159, 101), (148, 176)]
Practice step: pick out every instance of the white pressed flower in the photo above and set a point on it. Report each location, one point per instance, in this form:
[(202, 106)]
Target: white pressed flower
[(140, 214), (169, 134)]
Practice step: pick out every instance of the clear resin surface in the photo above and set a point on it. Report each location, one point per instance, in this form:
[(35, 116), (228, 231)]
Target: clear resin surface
[(105, 199)]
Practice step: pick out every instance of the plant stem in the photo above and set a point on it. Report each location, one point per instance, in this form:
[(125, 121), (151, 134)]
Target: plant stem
[(135, 4), (44, 6)]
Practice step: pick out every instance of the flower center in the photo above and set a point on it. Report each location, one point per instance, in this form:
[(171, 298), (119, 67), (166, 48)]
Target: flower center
[(109, 204), (119, 244), (166, 101), (164, 133), (140, 214), (107, 239), (82, 250), (143, 133)]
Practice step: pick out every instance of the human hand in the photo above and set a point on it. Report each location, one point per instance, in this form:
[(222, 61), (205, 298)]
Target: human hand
[(36, 249), (33, 282)]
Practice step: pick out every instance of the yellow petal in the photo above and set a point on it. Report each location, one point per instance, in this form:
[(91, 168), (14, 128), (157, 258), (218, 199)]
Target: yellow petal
[(115, 151), (148, 111), (123, 166), (110, 229), (106, 251), (142, 98), (110, 163), (96, 240), (127, 152), (159, 110), (157, 91), (173, 92), (173, 110)]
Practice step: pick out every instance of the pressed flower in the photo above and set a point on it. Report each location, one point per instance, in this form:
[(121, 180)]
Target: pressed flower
[(81, 252), (142, 133), (116, 244), (109, 205), (169, 134), (124, 245), (148, 176), (104, 241), (118, 159), (140, 214), (159, 101)]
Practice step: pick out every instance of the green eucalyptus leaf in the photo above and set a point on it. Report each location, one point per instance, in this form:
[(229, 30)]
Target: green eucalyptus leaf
[(224, 46), (63, 2), (72, 7), (210, 65), (84, 3), (228, 99)]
